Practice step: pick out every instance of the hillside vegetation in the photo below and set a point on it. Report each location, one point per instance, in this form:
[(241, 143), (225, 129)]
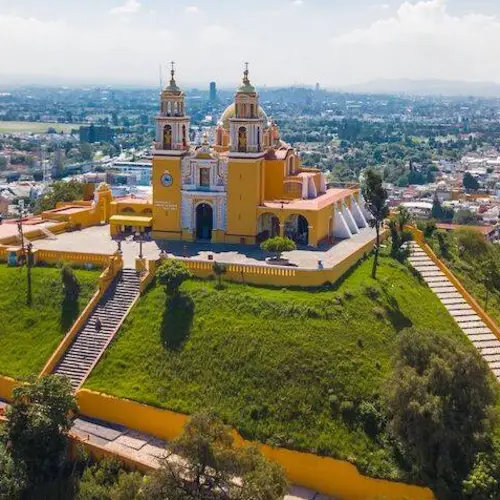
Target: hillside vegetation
[(295, 368), (30, 334)]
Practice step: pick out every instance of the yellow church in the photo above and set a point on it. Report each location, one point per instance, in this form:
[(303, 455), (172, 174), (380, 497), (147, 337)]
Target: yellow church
[(246, 187)]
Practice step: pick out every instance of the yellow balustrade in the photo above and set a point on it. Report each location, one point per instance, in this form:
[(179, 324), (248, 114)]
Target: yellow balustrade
[(337, 478), (115, 264)]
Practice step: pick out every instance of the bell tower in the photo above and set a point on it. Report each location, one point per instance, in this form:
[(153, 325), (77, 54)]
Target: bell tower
[(245, 182), (170, 146), (172, 124), (246, 128)]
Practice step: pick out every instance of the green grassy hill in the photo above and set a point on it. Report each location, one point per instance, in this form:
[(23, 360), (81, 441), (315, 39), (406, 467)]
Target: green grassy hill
[(299, 369), (29, 335)]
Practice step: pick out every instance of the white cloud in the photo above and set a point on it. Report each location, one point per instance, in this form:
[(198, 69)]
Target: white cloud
[(215, 34), (129, 7), (298, 2), (423, 40), (192, 9)]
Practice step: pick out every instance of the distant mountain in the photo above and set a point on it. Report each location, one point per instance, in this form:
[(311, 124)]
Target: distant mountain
[(427, 87)]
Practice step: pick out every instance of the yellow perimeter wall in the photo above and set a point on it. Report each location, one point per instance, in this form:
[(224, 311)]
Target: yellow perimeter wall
[(327, 475), (7, 385)]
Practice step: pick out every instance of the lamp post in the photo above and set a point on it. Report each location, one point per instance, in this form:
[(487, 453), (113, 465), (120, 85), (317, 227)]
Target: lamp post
[(138, 235)]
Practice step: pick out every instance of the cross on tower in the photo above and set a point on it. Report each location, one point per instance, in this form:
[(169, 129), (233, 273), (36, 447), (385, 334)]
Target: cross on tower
[(172, 66)]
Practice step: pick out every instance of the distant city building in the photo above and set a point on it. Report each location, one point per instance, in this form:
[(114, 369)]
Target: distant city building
[(141, 170), (213, 91), (96, 133), (317, 87)]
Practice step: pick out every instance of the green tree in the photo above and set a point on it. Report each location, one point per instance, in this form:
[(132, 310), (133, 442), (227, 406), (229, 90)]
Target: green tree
[(214, 468), (471, 243), (12, 477), (37, 424), (464, 217), (278, 245), (483, 482), (375, 196), (219, 270), (70, 284), (440, 401), (172, 274), (58, 192), (403, 217), (107, 480), (487, 271), (470, 183)]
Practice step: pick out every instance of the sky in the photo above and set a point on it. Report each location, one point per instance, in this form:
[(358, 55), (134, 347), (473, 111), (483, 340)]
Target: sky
[(286, 42)]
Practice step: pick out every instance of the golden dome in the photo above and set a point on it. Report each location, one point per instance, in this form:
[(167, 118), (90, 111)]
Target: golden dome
[(230, 112)]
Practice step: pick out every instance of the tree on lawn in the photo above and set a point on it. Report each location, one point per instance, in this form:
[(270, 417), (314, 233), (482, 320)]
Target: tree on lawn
[(37, 426), (214, 468), (375, 196), (172, 274), (70, 284), (440, 401), (278, 245), (219, 270)]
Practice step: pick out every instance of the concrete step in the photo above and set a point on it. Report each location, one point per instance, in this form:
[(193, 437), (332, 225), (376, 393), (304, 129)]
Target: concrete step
[(453, 301), (487, 344), (467, 318), (458, 307), (448, 295), (473, 332), (458, 313)]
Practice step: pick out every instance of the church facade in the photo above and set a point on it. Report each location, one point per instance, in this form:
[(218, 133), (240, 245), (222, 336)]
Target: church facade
[(247, 186)]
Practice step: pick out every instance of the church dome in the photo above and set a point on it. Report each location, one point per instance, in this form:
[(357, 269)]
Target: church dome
[(230, 112)]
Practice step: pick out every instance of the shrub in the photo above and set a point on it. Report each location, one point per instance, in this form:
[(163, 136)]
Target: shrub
[(370, 417), (372, 292), (171, 274), (278, 245), (219, 269)]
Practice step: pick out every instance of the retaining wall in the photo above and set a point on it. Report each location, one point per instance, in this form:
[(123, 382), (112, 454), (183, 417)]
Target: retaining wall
[(332, 477)]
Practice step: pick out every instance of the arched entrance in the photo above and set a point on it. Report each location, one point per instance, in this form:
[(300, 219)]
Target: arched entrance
[(268, 227), (297, 229), (204, 221)]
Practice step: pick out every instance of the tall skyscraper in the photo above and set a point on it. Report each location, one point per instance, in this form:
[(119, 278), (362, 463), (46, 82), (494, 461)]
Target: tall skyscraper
[(213, 92)]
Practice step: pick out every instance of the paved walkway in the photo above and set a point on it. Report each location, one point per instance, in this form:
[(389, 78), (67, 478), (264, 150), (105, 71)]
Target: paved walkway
[(147, 449), (467, 319), (98, 239)]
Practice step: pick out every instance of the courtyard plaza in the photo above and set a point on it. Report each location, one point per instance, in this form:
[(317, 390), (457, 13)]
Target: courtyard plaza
[(97, 239)]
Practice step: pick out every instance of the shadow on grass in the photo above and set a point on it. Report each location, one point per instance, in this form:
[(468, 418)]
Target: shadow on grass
[(177, 321), (69, 313), (394, 314)]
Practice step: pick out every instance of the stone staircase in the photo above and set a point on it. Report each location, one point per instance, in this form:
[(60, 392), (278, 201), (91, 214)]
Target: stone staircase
[(471, 324), (89, 343)]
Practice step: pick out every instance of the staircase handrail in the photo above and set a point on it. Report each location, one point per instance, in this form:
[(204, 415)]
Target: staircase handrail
[(418, 236), (105, 279)]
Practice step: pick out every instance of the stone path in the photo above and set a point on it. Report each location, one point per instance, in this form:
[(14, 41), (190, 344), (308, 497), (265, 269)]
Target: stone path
[(90, 343), (467, 319), (147, 449)]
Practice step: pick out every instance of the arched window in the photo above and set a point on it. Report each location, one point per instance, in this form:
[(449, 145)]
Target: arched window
[(242, 140), (184, 138), (167, 137), (169, 108), (291, 165), (258, 139)]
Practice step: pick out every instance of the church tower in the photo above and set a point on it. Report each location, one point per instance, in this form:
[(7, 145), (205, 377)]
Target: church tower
[(170, 146), (245, 184), (247, 126)]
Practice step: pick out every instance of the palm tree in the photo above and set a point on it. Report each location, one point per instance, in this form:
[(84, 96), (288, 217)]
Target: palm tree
[(375, 196)]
